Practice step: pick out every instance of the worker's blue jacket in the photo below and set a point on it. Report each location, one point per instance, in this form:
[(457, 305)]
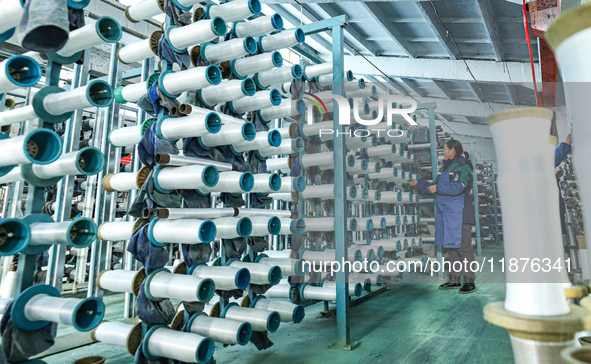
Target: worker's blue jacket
[(454, 183)]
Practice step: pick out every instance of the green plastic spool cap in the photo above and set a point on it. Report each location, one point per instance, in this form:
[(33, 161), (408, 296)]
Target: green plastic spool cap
[(90, 161), (300, 35), (244, 227), (218, 26), (147, 125), (210, 176), (108, 29), (277, 59), (277, 21), (248, 131), (205, 290), (296, 70), (275, 97), (353, 224), (213, 123), (99, 93), (26, 71), (274, 225), (242, 280), (14, 236), (42, 146), (207, 231), (299, 184), (254, 6), (82, 232), (88, 314), (248, 87), (250, 44), (213, 74), (118, 95), (274, 139)]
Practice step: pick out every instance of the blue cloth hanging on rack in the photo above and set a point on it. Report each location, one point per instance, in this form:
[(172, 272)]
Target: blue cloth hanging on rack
[(19, 345), (152, 257)]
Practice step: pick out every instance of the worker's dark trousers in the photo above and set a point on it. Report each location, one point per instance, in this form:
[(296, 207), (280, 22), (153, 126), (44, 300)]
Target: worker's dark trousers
[(464, 252)]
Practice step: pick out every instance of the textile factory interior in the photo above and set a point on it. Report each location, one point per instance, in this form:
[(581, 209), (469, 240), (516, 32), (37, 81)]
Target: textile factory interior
[(295, 181)]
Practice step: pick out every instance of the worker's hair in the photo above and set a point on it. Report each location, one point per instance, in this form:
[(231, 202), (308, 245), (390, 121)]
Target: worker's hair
[(457, 146)]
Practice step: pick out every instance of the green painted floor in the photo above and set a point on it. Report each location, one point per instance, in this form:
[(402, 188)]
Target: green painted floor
[(411, 322)]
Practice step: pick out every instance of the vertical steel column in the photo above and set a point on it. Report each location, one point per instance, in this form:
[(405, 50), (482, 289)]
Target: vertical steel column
[(105, 204), (476, 205), (494, 192), (65, 190), (340, 202), (433, 141)]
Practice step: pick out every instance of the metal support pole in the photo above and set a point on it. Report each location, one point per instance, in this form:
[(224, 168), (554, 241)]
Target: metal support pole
[(340, 202), (494, 192), (433, 141), (105, 201), (476, 205), (65, 190)]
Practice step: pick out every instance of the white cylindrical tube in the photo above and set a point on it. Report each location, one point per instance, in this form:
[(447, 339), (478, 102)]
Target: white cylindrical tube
[(233, 227), (144, 10), (84, 314), (225, 278), (311, 71), (162, 342), (259, 26), (104, 30), (259, 273), (281, 164), (286, 109), (308, 292), (116, 230), (266, 183), (79, 233), (87, 161), (288, 311), (284, 39), (260, 100), (233, 182), (265, 225), (185, 231), (194, 125), (132, 93), (227, 91), (528, 226), (120, 280), (119, 334), (261, 320), (287, 146), (200, 213), (137, 51), (125, 181), (127, 136), (196, 33), (281, 290), (289, 266), (96, 94), (19, 71), (264, 140), (285, 226), (230, 49), (196, 78), (234, 10), (194, 176), (17, 115), (12, 12), (41, 146), (287, 197), (355, 288), (162, 284), (243, 67), (317, 159), (279, 75), (224, 331), (230, 134)]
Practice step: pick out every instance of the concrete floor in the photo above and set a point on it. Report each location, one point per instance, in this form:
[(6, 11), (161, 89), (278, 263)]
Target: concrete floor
[(411, 322)]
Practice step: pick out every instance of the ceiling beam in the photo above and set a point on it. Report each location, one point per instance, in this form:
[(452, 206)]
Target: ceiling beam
[(465, 108), (316, 10), (387, 27), (443, 69), (476, 91), (512, 96), (429, 12), (411, 85), (490, 28), (442, 87), (458, 128)]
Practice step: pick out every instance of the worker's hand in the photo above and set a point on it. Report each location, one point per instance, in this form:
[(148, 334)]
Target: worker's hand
[(413, 182), (433, 188), (569, 139)]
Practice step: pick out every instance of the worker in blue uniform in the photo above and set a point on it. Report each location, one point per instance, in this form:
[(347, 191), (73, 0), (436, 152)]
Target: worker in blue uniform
[(454, 213)]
